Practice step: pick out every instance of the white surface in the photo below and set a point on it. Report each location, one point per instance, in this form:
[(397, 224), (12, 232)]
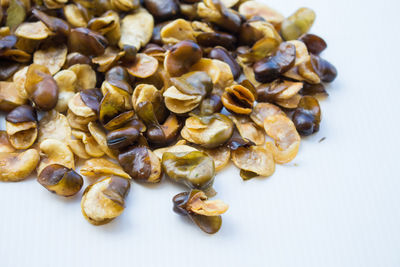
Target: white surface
[(338, 207)]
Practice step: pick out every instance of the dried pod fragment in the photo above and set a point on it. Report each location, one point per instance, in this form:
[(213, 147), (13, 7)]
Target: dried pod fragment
[(269, 69), (182, 57), (290, 103), (307, 116), (41, 87), (55, 152), (108, 59), (108, 25), (298, 24), (15, 167), (180, 103), (255, 159), (136, 29), (286, 138), (144, 66), (238, 99), (16, 13), (60, 180), (104, 200), (194, 169), (90, 145), (100, 167), (141, 164), (208, 131), (219, 71), (54, 125), (203, 212), (21, 125)]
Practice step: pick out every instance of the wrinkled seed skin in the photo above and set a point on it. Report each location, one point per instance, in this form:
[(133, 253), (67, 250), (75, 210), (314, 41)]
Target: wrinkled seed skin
[(22, 113), (269, 69), (162, 9), (223, 55)]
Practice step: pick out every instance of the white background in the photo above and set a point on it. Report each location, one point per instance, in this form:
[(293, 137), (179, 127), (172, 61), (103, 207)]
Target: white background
[(337, 204)]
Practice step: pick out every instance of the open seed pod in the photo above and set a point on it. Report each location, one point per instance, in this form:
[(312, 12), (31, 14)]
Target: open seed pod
[(15, 167), (54, 125), (143, 66), (5, 145), (101, 138), (100, 167), (136, 29), (85, 75), (238, 99), (253, 161), (107, 24), (66, 81), (141, 164), (263, 110), (177, 31), (216, 12), (219, 71), (10, 98), (188, 91), (290, 103), (21, 125), (203, 212), (307, 116), (60, 180), (104, 200), (52, 57), (298, 24), (250, 9), (182, 57), (179, 147), (109, 59), (208, 131), (221, 156), (194, 169), (286, 138), (89, 144), (55, 152), (278, 90), (249, 130), (148, 104), (41, 87)]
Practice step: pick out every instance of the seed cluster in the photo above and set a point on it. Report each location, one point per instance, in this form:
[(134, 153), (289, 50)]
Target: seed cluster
[(145, 89)]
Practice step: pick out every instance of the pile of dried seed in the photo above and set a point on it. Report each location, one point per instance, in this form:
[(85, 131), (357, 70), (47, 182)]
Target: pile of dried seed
[(174, 88)]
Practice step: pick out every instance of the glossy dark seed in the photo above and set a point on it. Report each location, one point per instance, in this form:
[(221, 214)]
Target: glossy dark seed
[(223, 55), (314, 43), (122, 137), (325, 70), (22, 113), (162, 9)]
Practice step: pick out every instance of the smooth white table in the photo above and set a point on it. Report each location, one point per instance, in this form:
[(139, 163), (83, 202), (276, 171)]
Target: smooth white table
[(336, 204)]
